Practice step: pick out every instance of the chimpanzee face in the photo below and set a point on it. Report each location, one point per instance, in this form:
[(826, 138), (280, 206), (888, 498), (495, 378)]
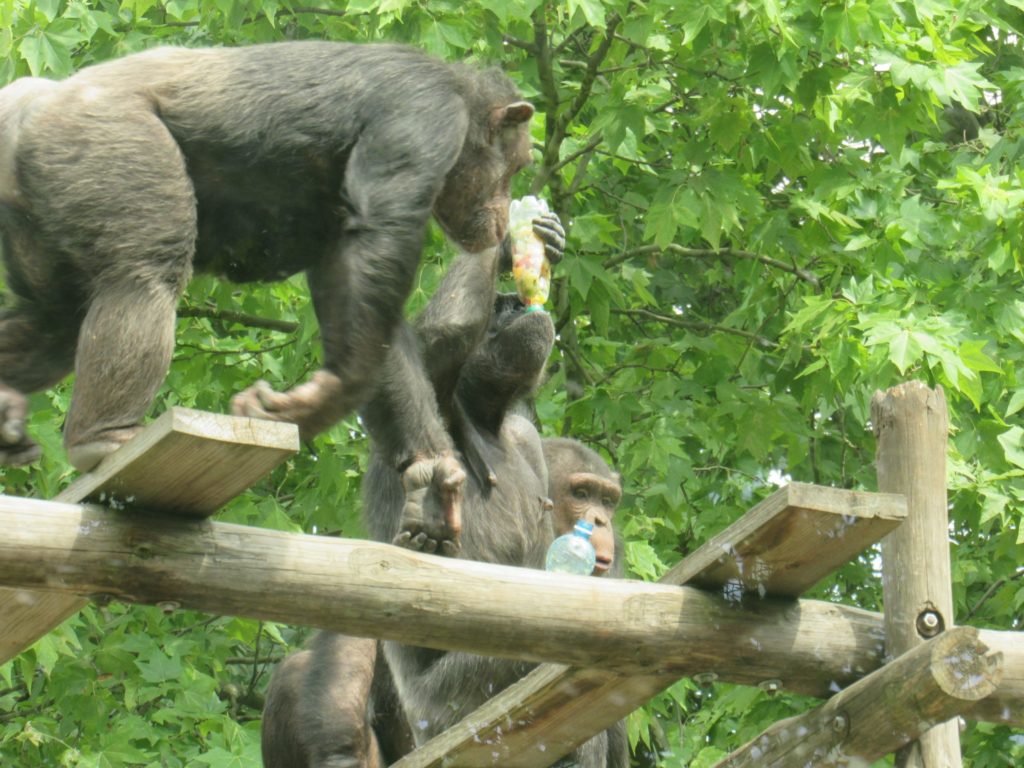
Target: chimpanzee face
[(472, 207)]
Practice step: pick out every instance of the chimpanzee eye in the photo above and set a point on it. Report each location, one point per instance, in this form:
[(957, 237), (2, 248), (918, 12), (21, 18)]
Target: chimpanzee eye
[(579, 493)]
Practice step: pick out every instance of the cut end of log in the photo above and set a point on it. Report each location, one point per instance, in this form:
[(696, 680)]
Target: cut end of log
[(964, 667)]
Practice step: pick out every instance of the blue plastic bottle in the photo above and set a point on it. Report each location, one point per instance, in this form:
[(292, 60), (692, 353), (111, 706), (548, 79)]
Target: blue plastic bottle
[(573, 552)]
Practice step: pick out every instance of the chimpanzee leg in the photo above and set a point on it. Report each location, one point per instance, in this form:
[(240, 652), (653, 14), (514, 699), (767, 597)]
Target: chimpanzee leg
[(317, 712), (34, 355), (127, 235), (124, 350)]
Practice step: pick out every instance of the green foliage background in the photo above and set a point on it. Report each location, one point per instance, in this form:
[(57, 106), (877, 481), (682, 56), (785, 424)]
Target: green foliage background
[(774, 210)]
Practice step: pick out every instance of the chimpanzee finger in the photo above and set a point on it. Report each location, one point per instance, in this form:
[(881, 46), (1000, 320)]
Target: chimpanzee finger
[(419, 542), (254, 401), (402, 539), (450, 548), (13, 410), (549, 229), (13, 432)]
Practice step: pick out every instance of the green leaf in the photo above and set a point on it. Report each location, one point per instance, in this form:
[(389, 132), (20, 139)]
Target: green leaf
[(1012, 442), (1016, 403), (593, 10), (905, 350)]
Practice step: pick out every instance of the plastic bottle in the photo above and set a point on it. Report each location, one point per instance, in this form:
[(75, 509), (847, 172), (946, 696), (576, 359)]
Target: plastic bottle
[(573, 552), (530, 268)]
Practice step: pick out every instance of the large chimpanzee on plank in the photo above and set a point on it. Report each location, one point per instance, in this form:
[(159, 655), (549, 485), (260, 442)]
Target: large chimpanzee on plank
[(253, 163), (338, 703)]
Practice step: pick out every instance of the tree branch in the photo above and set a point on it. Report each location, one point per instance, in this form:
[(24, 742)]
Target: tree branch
[(992, 590), (525, 45), (587, 83), (701, 253), (696, 326), (241, 318)]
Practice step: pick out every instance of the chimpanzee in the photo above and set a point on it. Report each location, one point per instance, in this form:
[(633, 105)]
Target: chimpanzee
[(480, 357), (252, 163)]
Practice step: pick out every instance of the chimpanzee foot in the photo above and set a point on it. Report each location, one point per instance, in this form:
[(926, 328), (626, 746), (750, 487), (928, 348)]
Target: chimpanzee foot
[(85, 456), (314, 406), (16, 448), (432, 516)]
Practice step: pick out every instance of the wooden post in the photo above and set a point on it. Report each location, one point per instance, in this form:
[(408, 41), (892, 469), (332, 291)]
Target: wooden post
[(911, 424)]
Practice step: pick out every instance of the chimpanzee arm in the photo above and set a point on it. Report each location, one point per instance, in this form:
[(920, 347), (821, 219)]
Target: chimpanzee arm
[(402, 417), (454, 321), (392, 176), (409, 437)]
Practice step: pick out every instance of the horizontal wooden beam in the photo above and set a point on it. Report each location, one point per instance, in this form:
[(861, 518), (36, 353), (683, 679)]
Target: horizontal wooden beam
[(884, 711), (781, 547), (376, 590), (189, 462)]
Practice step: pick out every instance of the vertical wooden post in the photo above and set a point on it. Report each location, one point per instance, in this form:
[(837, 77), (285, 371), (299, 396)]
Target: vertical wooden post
[(911, 424)]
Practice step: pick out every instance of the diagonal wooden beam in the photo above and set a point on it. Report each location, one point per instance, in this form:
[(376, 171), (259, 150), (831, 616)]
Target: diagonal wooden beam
[(880, 713), (781, 547), (186, 462)]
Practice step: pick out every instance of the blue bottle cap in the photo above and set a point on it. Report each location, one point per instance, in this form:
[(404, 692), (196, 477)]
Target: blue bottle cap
[(583, 527)]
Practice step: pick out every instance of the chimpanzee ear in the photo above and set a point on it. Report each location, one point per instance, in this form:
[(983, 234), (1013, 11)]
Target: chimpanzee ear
[(511, 114)]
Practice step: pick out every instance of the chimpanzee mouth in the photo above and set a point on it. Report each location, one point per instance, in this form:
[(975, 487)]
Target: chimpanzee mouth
[(602, 566)]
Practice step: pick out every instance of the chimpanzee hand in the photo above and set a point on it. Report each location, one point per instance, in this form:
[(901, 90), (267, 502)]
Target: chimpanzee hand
[(432, 516), (314, 406), (549, 229), (15, 446)]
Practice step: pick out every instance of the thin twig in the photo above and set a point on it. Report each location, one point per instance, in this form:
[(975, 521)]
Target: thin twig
[(252, 321), (696, 326), (992, 590), (703, 253)]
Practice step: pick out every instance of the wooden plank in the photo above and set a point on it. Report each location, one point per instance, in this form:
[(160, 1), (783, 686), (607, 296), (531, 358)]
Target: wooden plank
[(365, 588), (879, 714), (186, 461), (783, 546), (911, 424), (791, 541)]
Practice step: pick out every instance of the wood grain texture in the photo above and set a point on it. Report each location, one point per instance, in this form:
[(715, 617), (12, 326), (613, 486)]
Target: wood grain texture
[(377, 590), (189, 462), (791, 540), (781, 547), (911, 425), (879, 714)]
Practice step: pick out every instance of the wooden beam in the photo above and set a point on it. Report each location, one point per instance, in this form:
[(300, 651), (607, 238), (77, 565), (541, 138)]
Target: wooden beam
[(1007, 705), (186, 461), (911, 423), (879, 714), (781, 547), (377, 590)]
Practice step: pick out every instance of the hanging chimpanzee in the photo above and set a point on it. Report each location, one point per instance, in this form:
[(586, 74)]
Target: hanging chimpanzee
[(253, 163), (480, 357)]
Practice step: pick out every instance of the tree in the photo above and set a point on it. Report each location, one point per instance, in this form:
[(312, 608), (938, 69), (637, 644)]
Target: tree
[(775, 208)]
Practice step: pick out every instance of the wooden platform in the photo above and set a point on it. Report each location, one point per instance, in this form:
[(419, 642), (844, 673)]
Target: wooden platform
[(186, 462)]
